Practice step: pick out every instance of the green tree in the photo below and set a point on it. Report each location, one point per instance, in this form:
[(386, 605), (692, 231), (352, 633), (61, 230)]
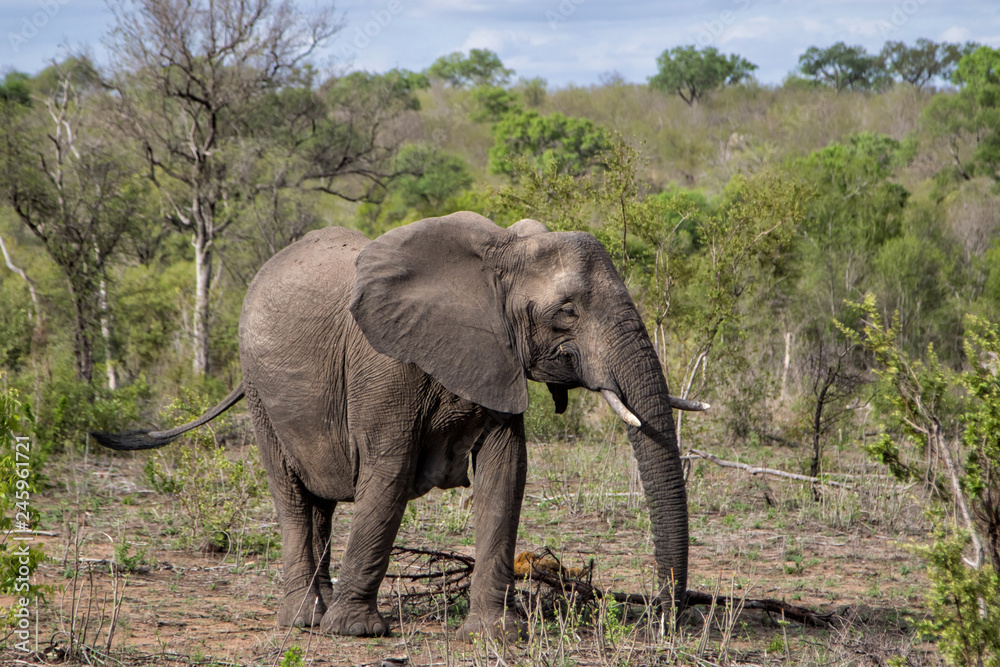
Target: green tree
[(187, 78), (853, 213), (428, 177), (570, 145), (219, 96), (856, 209), (533, 90), (70, 183), (960, 447), (492, 103), (979, 75), (692, 73), (428, 181), (844, 67), (16, 89), (969, 122), (924, 61), (481, 67)]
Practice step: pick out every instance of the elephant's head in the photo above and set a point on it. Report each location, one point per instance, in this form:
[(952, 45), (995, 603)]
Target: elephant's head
[(482, 309)]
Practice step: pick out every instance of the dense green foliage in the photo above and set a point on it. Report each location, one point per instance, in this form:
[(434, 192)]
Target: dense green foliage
[(569, 145)]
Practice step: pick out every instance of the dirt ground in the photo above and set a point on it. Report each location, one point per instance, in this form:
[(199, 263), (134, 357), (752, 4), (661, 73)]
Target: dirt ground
[(844, 554)]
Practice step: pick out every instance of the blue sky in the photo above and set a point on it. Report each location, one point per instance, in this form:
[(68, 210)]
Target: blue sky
[(564, 41)]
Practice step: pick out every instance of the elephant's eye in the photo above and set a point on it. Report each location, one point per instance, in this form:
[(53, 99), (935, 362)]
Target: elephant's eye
[(567, 313)]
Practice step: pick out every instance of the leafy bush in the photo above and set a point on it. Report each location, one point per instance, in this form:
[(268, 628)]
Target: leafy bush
[(70, 409), (964, 603), (964, 463)]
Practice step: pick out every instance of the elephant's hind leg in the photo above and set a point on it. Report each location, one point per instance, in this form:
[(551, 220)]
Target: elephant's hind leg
[(304, 570), (322, 512)]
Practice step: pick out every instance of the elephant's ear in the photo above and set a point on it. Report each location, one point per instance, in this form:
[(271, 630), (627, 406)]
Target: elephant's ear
[(425, 295)]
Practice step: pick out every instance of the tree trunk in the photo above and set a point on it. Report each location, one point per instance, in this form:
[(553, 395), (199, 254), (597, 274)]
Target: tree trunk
[(83, 344), (203, 279), (109, 355), (788, 362)]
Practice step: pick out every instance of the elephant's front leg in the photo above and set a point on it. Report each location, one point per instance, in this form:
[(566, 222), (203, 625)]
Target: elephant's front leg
[(501, 466), (378, 511)]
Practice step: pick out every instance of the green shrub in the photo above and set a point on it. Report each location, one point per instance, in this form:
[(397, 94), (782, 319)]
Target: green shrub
[(70, 409), (216, 493), (964, 603)]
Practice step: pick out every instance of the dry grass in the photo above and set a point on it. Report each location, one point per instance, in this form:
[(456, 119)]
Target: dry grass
[(751, 538)]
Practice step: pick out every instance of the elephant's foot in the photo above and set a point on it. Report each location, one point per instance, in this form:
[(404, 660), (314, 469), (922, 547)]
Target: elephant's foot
[(301, 609), (354, 620), (502, 627)]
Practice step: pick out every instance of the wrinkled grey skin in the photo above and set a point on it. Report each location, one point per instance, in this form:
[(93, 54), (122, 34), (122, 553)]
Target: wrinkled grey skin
[(373, 369)]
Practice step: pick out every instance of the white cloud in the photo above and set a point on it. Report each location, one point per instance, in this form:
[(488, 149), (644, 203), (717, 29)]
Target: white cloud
[(752, 28), (865, 28), (955, 34), (485, 39)]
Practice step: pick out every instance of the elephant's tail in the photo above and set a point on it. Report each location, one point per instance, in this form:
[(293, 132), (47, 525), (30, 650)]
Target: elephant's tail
[(133, 440)]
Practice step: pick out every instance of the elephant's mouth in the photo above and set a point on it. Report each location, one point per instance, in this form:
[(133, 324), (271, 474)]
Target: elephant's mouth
[(560, 395), (560, 365)]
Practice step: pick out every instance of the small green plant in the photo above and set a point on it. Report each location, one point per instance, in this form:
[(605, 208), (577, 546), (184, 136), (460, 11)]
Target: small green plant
[(293, 657), (613, 622), (126, 562), (217, 495)]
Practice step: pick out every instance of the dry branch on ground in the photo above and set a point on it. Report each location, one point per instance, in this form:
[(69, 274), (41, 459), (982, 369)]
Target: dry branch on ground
[(451, 579)]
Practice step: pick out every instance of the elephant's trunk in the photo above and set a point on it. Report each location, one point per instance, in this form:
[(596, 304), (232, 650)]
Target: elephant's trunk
[(644, 392)]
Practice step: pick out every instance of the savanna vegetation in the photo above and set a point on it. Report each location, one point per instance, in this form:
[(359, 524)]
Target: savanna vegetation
[(819, 260)]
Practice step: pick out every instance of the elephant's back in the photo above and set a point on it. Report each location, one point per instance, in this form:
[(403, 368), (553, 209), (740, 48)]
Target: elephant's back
[(303, 285), (323, 259), (298, 300)]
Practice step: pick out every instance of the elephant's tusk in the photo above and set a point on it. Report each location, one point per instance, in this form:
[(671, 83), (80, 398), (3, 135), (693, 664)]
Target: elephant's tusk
[(685, 404), (620, 409)]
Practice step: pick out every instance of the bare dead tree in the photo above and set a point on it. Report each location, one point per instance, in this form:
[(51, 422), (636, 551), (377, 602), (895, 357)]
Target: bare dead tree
[(188, 76), (220, 97)]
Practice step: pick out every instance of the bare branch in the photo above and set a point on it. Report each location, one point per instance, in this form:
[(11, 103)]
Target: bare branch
[(755, 470), (37, 318)]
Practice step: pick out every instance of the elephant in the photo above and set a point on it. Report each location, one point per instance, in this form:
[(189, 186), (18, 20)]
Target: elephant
[(377, 370)]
